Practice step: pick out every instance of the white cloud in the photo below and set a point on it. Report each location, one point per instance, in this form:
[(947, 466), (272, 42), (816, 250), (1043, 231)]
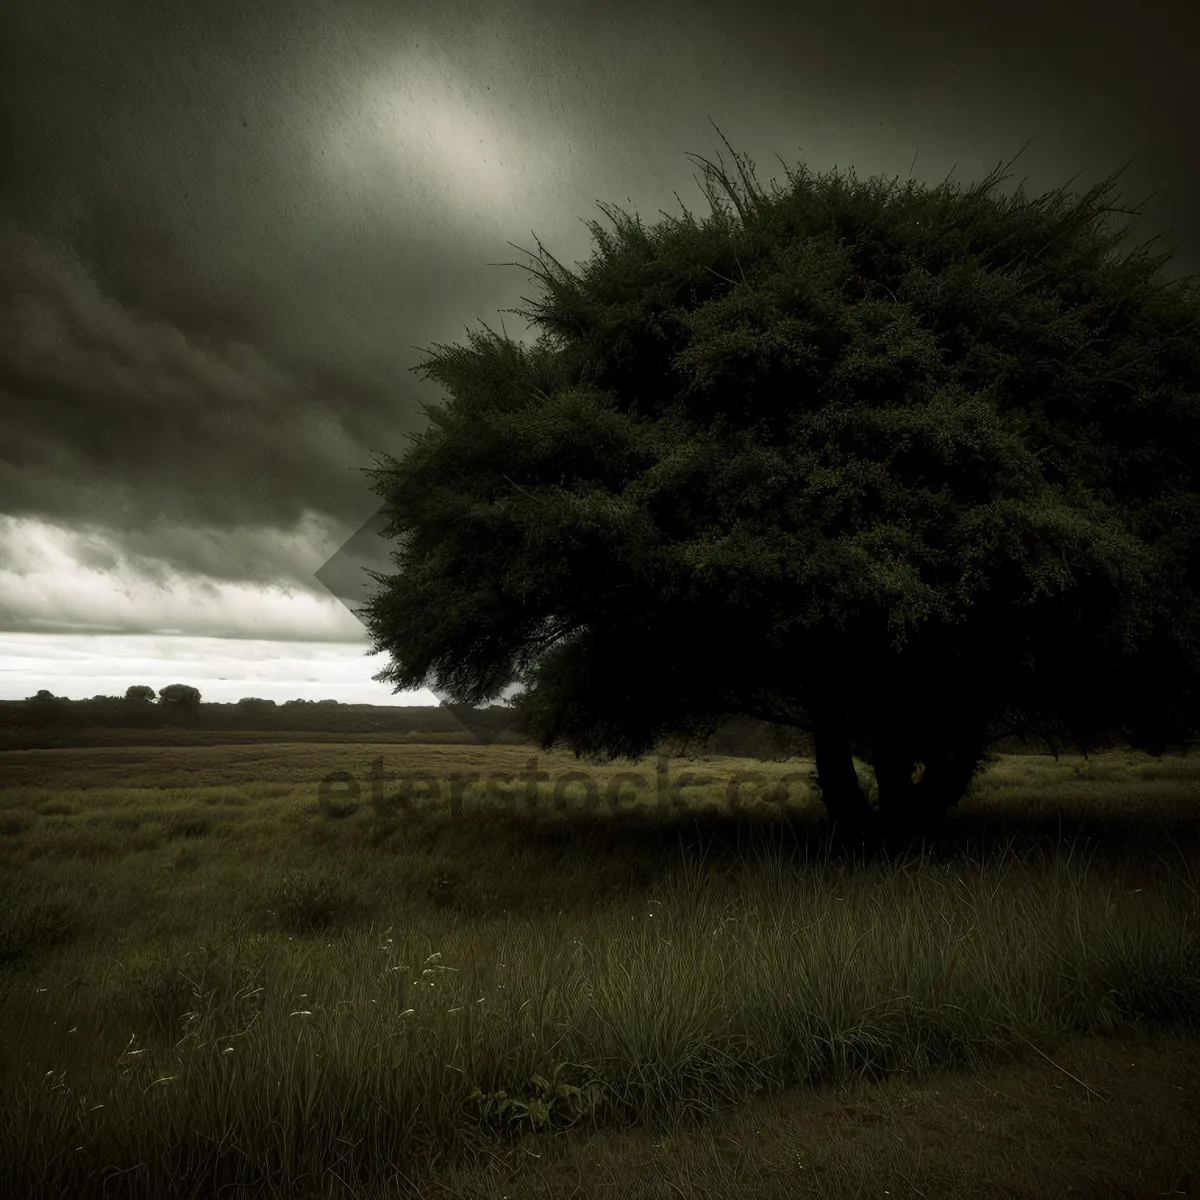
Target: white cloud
[(224, 670), (83, 619)]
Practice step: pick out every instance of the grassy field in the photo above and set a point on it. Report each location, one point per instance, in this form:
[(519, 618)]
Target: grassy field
[(221, 975)]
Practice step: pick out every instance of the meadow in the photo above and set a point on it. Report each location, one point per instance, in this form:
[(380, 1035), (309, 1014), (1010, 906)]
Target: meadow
[(222, 973)]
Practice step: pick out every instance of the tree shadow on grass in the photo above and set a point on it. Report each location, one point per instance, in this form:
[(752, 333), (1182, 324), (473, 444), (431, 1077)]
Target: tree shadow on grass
[(805, 838)]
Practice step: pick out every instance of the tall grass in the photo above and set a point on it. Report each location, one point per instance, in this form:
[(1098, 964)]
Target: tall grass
[(211, 989)]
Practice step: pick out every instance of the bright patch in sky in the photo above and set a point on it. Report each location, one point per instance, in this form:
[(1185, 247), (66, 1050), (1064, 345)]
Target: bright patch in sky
[(223, 670), (113, 626)]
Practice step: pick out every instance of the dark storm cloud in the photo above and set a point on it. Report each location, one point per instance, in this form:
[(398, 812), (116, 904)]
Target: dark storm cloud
[(224, 227)]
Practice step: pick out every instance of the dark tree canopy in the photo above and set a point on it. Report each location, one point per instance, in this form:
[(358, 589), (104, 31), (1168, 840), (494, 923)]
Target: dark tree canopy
[(180, 695), (893, 465)]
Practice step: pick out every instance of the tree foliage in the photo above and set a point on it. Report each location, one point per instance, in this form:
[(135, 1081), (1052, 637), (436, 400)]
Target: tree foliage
[(898, 466), (180, 696)]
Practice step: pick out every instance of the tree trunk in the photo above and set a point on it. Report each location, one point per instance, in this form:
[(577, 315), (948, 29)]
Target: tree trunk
[(854, 822), (918, 786)]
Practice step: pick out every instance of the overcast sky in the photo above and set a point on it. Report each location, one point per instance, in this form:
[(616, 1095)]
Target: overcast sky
[(228, 228)]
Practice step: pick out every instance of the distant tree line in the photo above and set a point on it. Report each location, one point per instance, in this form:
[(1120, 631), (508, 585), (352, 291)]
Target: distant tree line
[(176, 704), (180, 706)]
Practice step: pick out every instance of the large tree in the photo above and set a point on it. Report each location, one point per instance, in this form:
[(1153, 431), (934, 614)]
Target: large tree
[(893, 465), (180, 696)]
